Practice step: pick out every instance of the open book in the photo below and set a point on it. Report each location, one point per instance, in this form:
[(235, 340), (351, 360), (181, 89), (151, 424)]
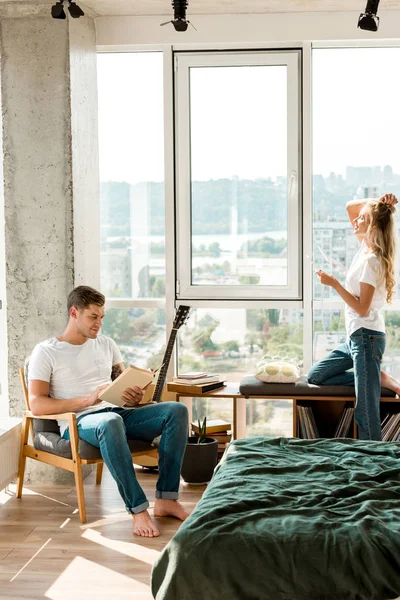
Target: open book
[(131, 377)]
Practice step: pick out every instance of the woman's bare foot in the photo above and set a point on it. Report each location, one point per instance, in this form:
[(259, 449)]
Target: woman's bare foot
[(169, 508), (390, 382), (143, 525)]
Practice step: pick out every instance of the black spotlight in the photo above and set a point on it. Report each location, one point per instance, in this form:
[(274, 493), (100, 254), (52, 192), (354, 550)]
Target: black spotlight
[(57, 11), (74, 10), (180, 22), (368, 20)]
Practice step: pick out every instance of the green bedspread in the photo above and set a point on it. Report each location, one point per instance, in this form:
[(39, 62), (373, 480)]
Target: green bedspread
[(288, 519)]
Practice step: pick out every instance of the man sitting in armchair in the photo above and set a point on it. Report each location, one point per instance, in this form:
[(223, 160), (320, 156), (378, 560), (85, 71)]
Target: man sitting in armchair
[(67, 374)]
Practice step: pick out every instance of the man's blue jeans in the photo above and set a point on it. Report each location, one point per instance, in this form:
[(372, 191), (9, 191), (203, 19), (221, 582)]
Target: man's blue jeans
[(109, 428), (363, 352)]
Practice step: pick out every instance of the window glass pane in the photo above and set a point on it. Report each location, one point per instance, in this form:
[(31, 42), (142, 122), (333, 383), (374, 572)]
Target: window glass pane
[(356, 128), (391, 357), (139, 334), (238, 131), (230, 342), (131, 175), (329, 332)]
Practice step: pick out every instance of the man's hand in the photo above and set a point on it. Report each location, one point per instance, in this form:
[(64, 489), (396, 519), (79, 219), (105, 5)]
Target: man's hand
[(389, 199), (326, 279), (94, 396), (132, 396)]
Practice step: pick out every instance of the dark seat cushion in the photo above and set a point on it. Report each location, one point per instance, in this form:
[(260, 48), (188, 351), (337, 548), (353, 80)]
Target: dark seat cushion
[(251, 386), (53, 443)]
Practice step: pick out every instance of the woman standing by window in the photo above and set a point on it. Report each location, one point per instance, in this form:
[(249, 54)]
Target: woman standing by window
[(370, 282)]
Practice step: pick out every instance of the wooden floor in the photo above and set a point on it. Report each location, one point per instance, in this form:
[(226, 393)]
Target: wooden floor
[(45, 552)]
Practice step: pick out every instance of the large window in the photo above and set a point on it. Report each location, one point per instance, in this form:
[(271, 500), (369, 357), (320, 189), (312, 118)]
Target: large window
[(131, 139), (237, 130), (233, 236), (230, 342), (356, 128), (132, 207)]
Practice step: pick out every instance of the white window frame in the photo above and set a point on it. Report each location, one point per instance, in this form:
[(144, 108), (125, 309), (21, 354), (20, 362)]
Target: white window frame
[(183, 62)]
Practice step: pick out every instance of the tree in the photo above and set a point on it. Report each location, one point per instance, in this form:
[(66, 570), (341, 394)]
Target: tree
[(214, 249), (249, 279), (116, 324), (230, 346), (201, 338), (157, 289), (287, 341), (273, 316), (140, 327)]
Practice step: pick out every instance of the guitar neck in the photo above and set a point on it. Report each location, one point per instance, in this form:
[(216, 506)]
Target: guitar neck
[(163, 371)]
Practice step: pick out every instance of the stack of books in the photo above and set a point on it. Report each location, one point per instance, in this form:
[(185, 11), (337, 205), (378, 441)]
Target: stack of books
[(218, 429), (391, 428), (196, 382)]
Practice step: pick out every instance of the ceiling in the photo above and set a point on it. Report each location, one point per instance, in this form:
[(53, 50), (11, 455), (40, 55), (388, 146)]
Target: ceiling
[(207, 7)]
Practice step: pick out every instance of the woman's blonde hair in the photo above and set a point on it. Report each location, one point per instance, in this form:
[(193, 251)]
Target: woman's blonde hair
[(381, 235)]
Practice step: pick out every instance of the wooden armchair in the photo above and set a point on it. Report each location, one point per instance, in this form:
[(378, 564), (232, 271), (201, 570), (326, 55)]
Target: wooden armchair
[(49, 447)]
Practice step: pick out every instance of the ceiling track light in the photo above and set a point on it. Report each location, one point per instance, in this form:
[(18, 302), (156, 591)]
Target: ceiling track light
[(179, 22), (58, 12), (369, 20)]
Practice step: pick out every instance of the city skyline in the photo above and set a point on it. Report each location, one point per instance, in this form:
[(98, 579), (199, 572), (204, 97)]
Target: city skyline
[(361, 168)]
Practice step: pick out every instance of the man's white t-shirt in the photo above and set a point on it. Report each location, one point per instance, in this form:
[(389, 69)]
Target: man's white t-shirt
[(365, 268), (74, 371)]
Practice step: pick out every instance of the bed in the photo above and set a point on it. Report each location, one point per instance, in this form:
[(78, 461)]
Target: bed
[(289, 519)]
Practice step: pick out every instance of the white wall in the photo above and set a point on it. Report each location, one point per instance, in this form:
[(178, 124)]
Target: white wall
[(118, 32)]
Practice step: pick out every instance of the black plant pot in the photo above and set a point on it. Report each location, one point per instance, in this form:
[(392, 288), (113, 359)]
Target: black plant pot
[(200, 460)]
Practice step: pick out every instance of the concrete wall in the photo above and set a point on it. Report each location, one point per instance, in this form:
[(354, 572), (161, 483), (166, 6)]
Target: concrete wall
[(47, 161)]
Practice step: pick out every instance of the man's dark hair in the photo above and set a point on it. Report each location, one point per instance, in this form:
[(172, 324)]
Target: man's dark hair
[(83, 295)]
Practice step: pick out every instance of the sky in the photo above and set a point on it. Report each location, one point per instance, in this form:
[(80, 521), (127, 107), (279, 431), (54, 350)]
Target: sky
[(238, 116)]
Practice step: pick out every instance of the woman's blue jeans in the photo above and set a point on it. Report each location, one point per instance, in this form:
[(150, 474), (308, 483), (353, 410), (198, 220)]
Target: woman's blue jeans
[(109, 428), (363, 352)]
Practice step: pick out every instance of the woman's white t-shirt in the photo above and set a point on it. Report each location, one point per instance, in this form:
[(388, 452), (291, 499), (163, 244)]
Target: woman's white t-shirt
[(365, 268), (74, 371)]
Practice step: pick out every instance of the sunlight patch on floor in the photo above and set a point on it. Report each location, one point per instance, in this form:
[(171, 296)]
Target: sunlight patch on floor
[(95, 581), (30, 560), (29, 492), (5, 496), (136, 551), (106, 520)]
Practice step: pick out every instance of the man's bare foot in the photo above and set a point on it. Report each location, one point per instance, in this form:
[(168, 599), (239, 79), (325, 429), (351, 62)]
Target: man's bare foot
[(143, 525), (390, 382), (169, 508)]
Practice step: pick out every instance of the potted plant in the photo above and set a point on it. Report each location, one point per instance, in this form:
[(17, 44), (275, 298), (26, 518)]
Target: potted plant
[(200, 457)]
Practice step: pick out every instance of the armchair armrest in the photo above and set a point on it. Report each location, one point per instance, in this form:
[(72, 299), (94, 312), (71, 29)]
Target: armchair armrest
[(57, 417), (73, 428)]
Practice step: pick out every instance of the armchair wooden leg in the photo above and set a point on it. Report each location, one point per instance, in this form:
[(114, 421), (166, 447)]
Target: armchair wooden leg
[(99, 472), (73, 430), (79, 491), (22, 457)]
